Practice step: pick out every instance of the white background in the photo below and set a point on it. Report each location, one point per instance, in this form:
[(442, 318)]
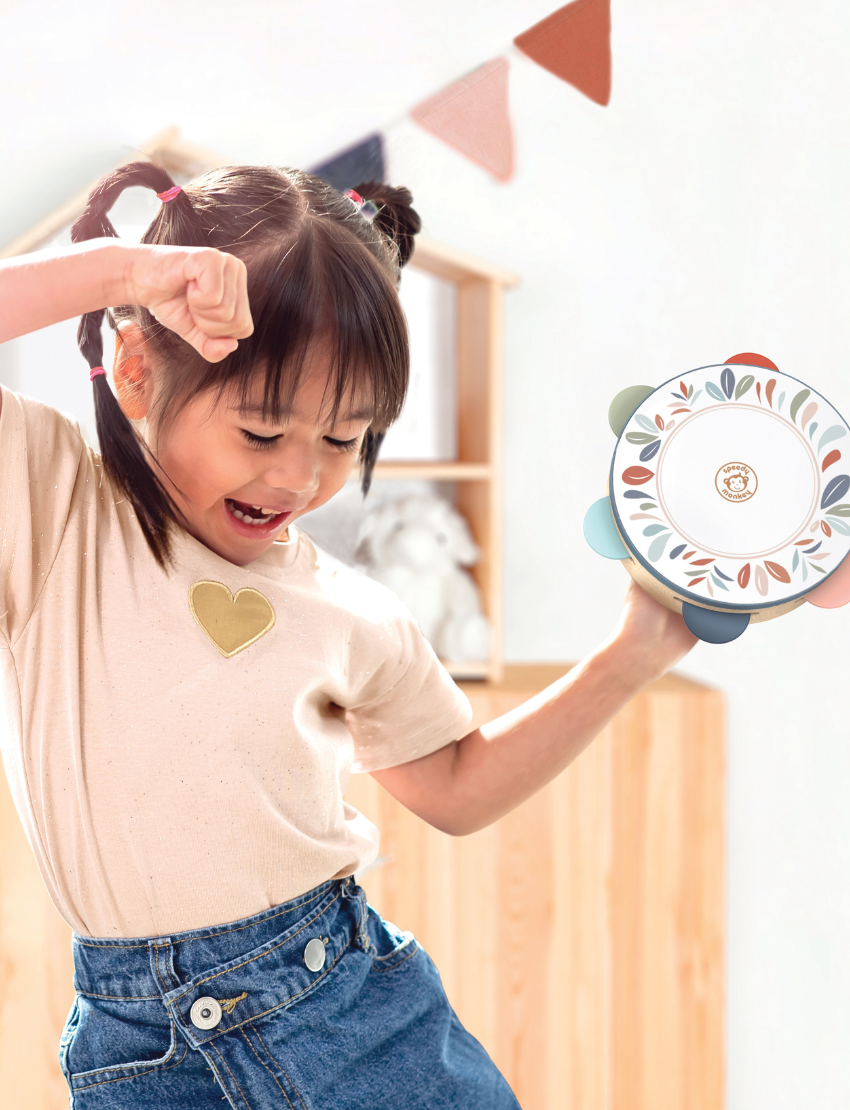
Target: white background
[(704, 212)]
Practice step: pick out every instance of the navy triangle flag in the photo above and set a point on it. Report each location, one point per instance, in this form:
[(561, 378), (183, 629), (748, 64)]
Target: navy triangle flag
[(355, 165)]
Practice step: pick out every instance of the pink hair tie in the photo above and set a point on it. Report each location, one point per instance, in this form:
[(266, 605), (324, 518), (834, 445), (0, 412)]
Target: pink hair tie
[(95, 371), (169, 194), (358, 200)]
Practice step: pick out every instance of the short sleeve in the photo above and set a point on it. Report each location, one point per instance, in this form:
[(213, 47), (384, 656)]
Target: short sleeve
[(409, 706), (41, 454)]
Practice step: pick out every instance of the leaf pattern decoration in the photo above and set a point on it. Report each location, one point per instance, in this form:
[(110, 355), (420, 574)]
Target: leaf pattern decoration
[(813, 427), (809, 550), (798, 400), (659, 423), (645, 423), (656, 548), (712, 390), (718, 582), (684, 389), (744, 576), (839, 525), (839, 510), (727, 382), (779, 402), (758, 391), (688, 554), (743, 385), (831, 458), (654, 529), (776, 571), (830, 435), (651, 451), (762, 581), (795, 562), (719, 572), (697, 581), (677, 551), (640, 437), (648, 505), (635, 493), (836, 489), (637, 475), (701, 562), (808, 412), (768, 391), (825, 528)]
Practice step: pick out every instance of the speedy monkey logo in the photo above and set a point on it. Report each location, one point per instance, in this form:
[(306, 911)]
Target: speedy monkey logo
[(736, 482)]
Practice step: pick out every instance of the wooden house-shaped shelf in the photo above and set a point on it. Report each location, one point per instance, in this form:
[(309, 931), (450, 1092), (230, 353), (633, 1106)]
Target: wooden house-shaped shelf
[(477, 470)]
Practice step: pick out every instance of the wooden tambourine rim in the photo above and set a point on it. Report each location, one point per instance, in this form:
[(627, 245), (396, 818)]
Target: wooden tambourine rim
[(787, 602)]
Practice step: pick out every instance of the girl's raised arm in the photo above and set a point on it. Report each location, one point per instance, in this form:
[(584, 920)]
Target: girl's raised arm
[(469, 784), (198, 292)]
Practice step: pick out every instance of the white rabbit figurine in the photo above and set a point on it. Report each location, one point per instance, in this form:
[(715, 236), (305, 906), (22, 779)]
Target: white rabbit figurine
[(417, 547)]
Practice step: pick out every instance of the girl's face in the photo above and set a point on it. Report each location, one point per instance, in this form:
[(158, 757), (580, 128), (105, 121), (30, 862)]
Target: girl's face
[(240, 480)]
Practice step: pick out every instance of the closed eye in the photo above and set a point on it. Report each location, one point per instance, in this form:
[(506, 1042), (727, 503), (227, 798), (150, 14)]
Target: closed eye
[(342, 444), (259, 441)]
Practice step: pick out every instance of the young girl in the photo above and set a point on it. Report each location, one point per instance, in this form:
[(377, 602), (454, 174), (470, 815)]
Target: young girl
[(189, 683)]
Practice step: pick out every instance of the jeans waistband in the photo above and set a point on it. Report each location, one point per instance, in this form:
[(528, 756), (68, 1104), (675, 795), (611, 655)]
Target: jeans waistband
[(250, 966)]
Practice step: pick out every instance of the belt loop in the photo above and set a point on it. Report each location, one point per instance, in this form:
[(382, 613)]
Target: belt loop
[(162, 964), (355, 893)]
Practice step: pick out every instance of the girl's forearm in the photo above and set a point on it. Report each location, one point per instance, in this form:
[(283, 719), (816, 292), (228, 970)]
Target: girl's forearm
[(40, 289), (469, 784)]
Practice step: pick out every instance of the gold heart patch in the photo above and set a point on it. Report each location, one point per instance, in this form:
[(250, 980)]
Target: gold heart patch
[(230, 622)]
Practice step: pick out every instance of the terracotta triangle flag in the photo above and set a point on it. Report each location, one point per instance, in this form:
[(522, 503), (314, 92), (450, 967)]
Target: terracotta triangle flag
[(574, 43), (472, 116)]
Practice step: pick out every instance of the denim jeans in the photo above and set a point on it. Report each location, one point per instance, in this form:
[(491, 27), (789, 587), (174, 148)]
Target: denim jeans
[(317, 1004)]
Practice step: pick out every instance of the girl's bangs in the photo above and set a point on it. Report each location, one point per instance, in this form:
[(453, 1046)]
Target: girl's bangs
[(325, 288)]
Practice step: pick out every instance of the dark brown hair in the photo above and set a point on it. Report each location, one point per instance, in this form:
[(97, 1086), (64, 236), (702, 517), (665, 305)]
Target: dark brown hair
[(318, 269)]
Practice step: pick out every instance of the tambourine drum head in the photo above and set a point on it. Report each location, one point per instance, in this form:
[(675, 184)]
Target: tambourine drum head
[(730, 486)]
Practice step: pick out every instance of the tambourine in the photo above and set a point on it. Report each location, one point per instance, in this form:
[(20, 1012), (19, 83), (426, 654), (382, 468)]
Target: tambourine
[(728, 496)]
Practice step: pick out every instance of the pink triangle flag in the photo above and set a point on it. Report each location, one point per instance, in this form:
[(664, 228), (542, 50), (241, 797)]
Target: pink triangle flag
[(471, 115), (574, 43)]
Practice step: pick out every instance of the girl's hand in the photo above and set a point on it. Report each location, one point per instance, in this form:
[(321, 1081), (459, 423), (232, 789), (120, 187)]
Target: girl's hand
[(652, 638), (198, 292)]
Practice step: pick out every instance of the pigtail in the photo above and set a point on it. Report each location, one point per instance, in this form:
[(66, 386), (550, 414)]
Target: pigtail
[(398, 222), (396, 218), (368, 457), (125, 456)]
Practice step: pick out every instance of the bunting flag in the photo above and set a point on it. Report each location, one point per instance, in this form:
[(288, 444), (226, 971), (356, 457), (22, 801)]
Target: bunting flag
[(354, 165), (472, 116), (574, 43)]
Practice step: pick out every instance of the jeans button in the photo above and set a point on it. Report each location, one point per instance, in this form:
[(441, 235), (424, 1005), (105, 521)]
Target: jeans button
[(205, 1013), (314, 954)]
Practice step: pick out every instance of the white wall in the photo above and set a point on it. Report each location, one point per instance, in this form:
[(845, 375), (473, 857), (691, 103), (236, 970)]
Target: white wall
[(701, 214)]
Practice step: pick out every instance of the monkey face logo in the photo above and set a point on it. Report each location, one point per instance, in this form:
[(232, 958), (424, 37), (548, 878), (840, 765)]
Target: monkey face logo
[(736, 482)]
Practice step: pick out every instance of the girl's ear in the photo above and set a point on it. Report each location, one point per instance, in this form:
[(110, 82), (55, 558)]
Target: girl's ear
[(131, 371)]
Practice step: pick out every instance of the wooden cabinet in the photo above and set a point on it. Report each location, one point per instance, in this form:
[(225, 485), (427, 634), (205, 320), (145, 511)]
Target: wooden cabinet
[(580, 938)]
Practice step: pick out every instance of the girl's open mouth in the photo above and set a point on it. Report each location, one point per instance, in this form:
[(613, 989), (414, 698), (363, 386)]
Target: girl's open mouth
[(253, 517)]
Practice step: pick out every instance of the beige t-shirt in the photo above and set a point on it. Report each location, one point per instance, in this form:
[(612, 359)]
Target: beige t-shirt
[(163, 785)]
